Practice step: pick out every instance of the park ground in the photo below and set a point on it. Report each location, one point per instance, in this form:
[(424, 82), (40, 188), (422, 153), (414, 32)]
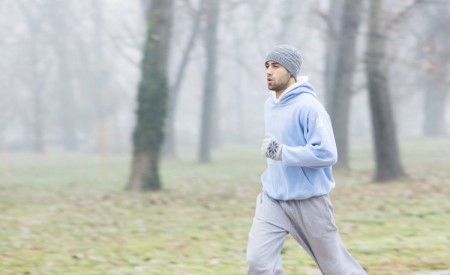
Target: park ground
[(69, 214)]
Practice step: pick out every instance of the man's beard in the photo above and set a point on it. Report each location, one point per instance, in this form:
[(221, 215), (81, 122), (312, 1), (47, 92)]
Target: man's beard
[(279, 86)]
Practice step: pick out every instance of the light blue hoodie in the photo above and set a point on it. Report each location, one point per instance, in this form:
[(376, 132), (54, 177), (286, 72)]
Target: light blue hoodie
[(299, 122)]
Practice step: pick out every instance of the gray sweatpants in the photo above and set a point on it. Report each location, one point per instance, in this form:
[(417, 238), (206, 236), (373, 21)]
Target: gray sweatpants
[(311, 224)]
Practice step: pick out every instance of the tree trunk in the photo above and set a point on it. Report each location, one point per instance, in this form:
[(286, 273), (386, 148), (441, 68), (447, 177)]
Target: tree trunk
[(333, 35), (38, 110), (239, 96), (288, 12), (209, 111), (434, 106), (144, 173), (341, 90), (59, 19), (98, 78), (388, 166), (437, 54), (152, 99), (169, 148), (4, 167), (67, 106), (35, 82)]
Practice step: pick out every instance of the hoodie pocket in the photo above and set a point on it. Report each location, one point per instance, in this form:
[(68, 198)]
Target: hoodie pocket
[(303, 175), (278, 180)]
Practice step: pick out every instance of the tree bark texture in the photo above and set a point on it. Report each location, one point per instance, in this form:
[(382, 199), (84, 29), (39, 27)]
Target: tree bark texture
[(388, 166), (152, 99)]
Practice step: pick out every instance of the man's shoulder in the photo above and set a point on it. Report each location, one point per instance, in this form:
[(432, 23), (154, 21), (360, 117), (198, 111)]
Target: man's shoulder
[(309, 103), (306, 99)]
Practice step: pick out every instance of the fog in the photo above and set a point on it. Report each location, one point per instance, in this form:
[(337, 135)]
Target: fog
[(89, 184), (70, 70)]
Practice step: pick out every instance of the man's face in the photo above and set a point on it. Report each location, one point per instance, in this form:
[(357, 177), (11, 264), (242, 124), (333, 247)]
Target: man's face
[(277, 77)]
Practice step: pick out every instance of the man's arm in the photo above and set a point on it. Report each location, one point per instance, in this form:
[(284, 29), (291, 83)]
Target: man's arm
[(320, 149)]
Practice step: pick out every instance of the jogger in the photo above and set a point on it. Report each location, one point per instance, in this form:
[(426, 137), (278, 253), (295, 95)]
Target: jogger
[(311, 224), (300, 149)]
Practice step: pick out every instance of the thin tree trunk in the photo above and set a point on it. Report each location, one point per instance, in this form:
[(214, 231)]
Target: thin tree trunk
[(388, 166), (98, 79), (35, 83), (209, 90), (239, 95), (59, 20), (38, 110), (435, 87), (4, 158), (434, 106), (67, 106), (333, 35), (152, 100), (342, 82)]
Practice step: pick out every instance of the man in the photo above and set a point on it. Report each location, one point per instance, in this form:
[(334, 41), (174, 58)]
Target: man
[(300, 149)]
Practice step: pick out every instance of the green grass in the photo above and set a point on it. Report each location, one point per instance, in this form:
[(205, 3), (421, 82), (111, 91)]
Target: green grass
[(68, 214)]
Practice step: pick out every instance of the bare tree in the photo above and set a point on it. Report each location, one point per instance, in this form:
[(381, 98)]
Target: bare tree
[(437, 54), (169, 148), (152, 99), (333, 21), (388, 166), (210, 81), (35, 82), (340, 84), (61, 23)]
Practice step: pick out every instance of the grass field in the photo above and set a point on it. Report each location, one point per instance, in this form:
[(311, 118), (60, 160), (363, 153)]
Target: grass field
[(68, 214)]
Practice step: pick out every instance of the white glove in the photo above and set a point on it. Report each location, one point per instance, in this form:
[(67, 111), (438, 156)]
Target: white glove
[(271, 148)]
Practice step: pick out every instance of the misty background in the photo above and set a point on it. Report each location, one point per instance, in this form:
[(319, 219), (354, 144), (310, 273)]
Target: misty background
[(85, 89), (70, 69)]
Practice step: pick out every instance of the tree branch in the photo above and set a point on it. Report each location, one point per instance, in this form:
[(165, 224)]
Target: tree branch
[(390, 24), (120, 51)]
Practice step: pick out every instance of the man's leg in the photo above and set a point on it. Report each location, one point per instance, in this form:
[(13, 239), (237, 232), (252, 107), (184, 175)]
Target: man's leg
[(266, 238), (314, 228)]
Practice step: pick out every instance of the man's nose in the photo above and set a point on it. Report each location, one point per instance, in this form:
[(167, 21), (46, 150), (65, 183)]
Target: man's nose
[(268, 71)]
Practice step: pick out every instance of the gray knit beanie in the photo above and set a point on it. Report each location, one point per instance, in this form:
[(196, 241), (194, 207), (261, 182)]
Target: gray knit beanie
[(288, 57)]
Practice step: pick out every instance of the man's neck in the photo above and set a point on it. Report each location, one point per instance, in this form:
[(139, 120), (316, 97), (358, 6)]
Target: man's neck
[(290, 83)]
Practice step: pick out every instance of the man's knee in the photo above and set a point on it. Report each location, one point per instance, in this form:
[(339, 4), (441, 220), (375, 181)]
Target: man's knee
[(258, 264)]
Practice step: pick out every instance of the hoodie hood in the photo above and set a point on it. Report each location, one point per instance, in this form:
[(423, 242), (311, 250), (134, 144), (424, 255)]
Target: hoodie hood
[(300, 87)]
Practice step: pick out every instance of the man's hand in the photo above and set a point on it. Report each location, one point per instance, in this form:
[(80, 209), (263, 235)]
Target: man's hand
[(271, 148)]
